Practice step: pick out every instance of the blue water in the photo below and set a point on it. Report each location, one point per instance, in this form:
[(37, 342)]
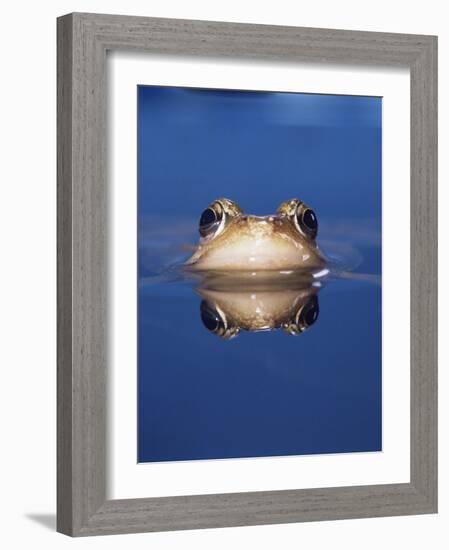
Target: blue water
[(260, 393)]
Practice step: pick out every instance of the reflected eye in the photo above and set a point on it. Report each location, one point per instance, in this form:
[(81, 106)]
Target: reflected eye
[(305, 317), (215, 322), (210, 317), (307, 221), (309, 313), (209, 222)]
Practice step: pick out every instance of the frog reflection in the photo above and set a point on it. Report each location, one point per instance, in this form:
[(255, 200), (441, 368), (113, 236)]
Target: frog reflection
[(234, 241), (226, 312)]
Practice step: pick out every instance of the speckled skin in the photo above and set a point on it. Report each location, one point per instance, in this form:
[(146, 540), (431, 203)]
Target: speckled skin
[(246, 242)]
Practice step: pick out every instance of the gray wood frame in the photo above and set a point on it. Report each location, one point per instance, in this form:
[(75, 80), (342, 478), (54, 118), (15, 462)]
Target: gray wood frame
[(83, 40)]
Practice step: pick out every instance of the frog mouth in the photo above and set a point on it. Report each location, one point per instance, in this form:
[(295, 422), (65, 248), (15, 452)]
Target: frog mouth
[(263, 250)]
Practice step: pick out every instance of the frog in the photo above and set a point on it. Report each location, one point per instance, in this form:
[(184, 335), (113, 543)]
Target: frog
[(225, 312), (233, 241)]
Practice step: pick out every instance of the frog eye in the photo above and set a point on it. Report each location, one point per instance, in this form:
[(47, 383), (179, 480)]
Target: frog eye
[(209, 221), (306, 316), (215, 321), (309, 313), (303, 217), (306, 220), (216, 216)]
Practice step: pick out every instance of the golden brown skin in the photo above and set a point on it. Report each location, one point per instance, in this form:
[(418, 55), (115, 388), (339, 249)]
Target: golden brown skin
[(227, 312), (235, 241)]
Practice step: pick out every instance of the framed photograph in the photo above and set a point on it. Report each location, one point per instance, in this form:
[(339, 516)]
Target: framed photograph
[(247, 274)]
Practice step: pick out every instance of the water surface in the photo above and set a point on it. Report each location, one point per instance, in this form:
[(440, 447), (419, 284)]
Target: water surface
[(261, 393)]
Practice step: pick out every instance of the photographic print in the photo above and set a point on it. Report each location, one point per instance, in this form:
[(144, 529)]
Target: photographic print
[(259, 274)]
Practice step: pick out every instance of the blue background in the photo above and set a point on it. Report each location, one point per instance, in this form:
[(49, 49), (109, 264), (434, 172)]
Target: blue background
[(260, 394)]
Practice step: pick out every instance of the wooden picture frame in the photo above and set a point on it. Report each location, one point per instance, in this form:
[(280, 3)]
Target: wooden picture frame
[(83, 40)]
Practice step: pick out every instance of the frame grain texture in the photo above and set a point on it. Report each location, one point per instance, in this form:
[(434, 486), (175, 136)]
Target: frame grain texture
[(83, 40)]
